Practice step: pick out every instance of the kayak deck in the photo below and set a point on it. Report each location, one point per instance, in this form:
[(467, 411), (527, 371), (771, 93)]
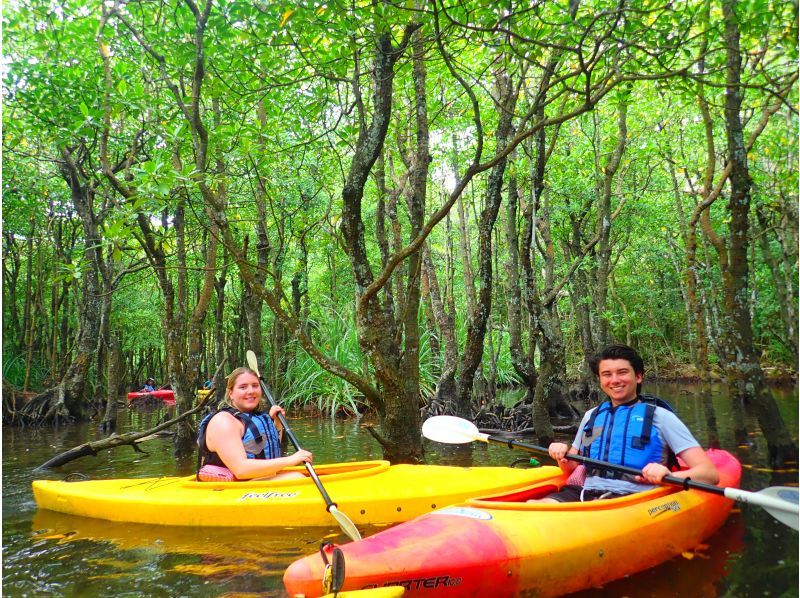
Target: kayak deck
[(499, 546), (368, 492)]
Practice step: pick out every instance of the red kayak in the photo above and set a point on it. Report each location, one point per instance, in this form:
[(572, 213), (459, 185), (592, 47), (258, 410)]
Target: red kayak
[(165, 394)]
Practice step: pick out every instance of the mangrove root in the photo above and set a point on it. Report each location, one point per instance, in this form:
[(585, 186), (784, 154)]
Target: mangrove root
[(132, 439)]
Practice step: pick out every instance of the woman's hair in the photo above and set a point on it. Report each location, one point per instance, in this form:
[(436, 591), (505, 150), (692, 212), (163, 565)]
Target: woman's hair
[(234, 375)]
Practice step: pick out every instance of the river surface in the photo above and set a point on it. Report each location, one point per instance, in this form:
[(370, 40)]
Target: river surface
[(50, 554)]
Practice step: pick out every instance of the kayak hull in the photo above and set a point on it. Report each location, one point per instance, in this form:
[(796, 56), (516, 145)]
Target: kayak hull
[(166, 395), (368, 492), (389, 592), (498, 546)]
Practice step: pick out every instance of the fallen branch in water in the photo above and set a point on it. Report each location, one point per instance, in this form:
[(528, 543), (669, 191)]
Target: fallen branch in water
[(115, 440)]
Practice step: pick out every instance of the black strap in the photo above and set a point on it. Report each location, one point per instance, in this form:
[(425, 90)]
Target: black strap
[(647, 427), (589, 427)]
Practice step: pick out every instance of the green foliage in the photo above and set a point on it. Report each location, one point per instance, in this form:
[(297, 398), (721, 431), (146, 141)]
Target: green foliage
[(279, 105), (307, 384), (14, 367)]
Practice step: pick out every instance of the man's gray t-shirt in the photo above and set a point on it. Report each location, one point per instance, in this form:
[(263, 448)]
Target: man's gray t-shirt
[(673, 432)]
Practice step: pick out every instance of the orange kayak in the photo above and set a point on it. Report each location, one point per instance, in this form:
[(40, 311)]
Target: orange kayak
[(502, 546)]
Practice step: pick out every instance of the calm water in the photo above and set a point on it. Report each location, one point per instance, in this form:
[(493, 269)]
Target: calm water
[(49, 554)]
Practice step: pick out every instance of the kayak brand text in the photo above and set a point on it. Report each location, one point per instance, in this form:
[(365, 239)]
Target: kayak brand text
[(673, 506), (440, 581), (268, 495)]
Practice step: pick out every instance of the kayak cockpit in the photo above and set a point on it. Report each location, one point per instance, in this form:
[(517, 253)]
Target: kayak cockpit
[(333, 471), (517, 499)]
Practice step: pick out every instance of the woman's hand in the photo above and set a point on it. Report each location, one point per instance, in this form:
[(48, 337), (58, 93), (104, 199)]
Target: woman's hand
[(275, 410), (302, 456)]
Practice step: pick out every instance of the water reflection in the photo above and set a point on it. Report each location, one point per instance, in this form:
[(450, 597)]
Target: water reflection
[(698, 573), (47, 553), (232, 556)]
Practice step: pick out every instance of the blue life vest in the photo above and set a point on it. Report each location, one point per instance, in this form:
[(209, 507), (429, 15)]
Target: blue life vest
[(260, 440), (625, 435)]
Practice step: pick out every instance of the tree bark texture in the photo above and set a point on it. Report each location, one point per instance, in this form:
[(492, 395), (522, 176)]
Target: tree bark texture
[(70, 398), (507, 94), (744, 373), (378, 331)]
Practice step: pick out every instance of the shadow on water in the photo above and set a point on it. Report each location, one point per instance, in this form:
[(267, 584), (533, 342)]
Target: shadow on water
[(52, 554)]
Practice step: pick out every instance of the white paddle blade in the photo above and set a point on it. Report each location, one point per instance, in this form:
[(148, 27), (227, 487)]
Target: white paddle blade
[(790, 519), (451, 430), (252, 362), (782, 502), (790, 496), (348, 527)]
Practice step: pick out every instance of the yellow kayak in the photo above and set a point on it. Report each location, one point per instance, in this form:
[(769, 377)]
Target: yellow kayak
[(368, 492)]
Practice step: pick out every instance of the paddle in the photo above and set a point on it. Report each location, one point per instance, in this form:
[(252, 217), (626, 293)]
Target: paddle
[(348, 527), (780, 501)]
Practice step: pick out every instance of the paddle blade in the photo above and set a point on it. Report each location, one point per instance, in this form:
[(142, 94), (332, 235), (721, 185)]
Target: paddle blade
[(348, 527), (782, 502), (451, 430), (790, 519), (789, 495), (252, 362)]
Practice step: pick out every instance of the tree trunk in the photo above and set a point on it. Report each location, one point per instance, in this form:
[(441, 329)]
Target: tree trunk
[(604, 227), (523, 366), (581, 300), (446, 384), (377, 330), (28, 316), (784, 286), (507, 94), (251, 300), (464, 246), (219, 334), (69, 399), (744, 372), (109, 423), (549, 398), (11, 270)]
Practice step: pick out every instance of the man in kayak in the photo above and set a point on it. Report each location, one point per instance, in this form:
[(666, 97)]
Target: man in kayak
[(628, 429), (149, 385), (241, 442)]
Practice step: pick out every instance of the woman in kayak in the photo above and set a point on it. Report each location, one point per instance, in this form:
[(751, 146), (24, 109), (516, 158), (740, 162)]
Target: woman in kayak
[(241, 442), (628, 429)]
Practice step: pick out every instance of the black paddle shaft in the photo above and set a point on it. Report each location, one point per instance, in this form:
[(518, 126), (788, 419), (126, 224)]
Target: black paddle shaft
[(685, 483), (296, 444)]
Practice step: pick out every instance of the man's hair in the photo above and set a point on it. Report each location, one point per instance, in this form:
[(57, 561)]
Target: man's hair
[(617, 352)]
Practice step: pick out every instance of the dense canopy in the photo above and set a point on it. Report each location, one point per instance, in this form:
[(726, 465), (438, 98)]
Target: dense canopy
[(397, 204)]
